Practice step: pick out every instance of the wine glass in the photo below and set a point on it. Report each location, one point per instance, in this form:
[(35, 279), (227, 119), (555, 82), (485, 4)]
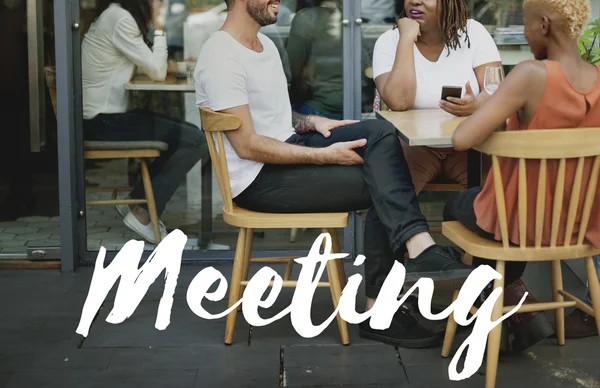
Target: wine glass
[(493, 79)]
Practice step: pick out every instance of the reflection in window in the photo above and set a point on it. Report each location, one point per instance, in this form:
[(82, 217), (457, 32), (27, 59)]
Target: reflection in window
[(309, 38)]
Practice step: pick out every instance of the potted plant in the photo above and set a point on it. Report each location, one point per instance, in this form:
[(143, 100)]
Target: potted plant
[(589, 43)]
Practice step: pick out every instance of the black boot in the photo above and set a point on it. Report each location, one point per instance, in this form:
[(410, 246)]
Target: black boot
[(438, 263), (527, 328), (404, 332)]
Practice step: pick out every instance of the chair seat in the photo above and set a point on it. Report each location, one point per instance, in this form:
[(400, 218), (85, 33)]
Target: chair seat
[(244, 218), (478, 246), (124, 145)]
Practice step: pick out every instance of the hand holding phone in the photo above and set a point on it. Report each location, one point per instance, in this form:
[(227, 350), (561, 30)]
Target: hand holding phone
[(451, 91)]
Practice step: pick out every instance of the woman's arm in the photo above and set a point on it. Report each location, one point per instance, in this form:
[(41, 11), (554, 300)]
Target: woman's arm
[(399, 86), (128, 40), (513, 95)]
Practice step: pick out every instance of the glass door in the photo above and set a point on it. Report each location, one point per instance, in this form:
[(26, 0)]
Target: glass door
[(317, 42), (29, 183)]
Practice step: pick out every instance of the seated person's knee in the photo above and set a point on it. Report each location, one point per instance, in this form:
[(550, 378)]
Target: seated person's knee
[(380, 128)]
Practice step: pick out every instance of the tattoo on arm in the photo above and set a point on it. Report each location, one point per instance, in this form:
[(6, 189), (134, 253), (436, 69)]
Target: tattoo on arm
[(301, 123)]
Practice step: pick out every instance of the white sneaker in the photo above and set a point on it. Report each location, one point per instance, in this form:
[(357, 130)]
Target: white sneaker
[(145, 231), (124, 210)]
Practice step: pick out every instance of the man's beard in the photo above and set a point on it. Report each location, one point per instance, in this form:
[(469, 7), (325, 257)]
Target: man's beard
[(260, 13)]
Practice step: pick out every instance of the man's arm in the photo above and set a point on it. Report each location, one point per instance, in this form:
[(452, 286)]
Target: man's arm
[(513, 95), (302, 124), (249, 145)]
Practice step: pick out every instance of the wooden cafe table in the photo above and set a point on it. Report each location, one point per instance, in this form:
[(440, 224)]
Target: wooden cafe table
[(433, 128), (170, 84)]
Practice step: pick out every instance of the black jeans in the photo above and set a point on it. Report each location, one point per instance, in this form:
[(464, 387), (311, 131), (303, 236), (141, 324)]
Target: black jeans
[(460, 208), (382, 183), (187, 145)]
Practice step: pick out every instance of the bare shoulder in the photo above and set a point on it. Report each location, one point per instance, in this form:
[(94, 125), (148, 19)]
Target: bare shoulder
[(530, 71)]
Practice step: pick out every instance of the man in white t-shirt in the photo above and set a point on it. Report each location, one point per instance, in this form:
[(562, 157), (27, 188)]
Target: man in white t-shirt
[(283, 162)]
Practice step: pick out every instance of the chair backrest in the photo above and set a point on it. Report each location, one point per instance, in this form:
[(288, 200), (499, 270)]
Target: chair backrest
[(50, 73), (551, 149), (216, 123)]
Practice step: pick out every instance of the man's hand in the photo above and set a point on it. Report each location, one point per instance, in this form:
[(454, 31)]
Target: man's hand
[(343, 153), (323, 125), (461, 106)]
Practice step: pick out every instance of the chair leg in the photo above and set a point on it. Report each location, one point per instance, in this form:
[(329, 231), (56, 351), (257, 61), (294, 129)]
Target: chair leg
[(559, 314), (495, 336), (288, 270), (450, 331), (150, 200), (594, 285), (235, 287), (336, 248), (293, 234), (247, 255), (333, 275)]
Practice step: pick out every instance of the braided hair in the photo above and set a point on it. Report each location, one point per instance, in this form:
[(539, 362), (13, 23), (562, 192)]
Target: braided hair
[(452, 20)]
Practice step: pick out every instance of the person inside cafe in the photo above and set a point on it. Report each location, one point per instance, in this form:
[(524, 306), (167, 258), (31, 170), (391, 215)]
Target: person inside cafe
[(283, 162), (557, 89), (433, 45), (315, 55), (111, 50)]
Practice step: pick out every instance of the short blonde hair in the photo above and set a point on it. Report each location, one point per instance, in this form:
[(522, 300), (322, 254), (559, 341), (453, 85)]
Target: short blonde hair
[(575, 13)]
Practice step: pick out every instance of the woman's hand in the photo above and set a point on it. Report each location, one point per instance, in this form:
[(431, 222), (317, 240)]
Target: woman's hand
[(409, 29), (157, 15), (461, 106)]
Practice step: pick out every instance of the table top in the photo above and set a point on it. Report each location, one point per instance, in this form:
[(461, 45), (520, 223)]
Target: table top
[(424, 127), (170, 84)]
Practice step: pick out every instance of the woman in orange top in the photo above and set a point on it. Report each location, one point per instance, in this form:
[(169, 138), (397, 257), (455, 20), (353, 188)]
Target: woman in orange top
[(557, 90)]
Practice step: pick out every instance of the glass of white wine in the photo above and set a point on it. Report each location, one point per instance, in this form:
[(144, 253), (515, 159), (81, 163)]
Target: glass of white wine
[(493, 79)]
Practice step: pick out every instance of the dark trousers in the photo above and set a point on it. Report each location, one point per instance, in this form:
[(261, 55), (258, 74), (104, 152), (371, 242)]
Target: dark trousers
[(187, 145), (382, 183), (460, 208)]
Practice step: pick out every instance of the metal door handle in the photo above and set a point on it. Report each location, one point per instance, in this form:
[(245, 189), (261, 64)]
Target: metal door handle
[(359, 21), (346, 22), (35, 51)]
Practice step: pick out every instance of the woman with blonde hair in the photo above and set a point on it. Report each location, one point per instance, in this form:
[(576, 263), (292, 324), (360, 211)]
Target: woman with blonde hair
[(556, 90)]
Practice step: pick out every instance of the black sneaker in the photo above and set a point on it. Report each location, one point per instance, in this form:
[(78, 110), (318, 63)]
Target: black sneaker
[(404, 332), (438, 263)]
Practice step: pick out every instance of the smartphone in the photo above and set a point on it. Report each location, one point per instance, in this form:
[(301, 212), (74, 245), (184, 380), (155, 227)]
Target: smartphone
[(451, 91)]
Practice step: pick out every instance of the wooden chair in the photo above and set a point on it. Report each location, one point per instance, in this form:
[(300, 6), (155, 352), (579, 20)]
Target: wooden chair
[(141, 150), (546, 146), (216, 123)]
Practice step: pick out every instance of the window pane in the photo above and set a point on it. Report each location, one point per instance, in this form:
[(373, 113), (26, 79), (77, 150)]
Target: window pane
[(308, 36)]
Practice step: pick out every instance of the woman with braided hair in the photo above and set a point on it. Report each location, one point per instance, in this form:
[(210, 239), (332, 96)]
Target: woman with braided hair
[(433, 45)]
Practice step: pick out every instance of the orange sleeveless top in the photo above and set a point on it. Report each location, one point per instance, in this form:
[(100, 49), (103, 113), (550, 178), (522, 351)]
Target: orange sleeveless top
[(562, 106)]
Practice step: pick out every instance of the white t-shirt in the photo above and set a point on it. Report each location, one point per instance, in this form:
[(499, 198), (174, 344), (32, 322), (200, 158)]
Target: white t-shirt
[(450, 70), (110, 51), (228, 75)]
